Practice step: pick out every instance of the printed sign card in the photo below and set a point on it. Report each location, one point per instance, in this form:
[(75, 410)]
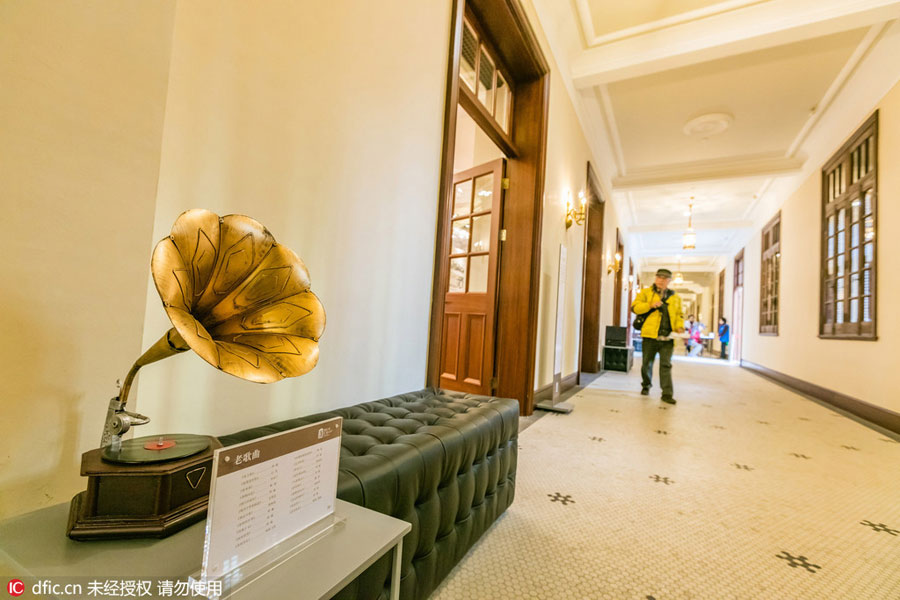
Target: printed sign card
[(268, 489)]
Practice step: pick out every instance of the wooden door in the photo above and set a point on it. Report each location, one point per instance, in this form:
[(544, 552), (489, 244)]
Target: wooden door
[(593, 278), (617, 300), (470, 294), (737, 318)]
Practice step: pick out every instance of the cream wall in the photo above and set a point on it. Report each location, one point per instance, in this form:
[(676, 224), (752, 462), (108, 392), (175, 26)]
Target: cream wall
[(305, 119), (858, 368), (82, 103), (567, 156)]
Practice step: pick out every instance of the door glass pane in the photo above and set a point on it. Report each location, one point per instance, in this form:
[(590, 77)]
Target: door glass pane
[(501, 112), (855, 206), (484, 193), (854, 164), (854, 235), (854, 285), (460, 242), (830, 247), (486, 82), (867, 310), (458, 274), (840, 288), (840, 265), (481, 233), (840, 243), (839, 317), (829, 313), (842, 217), (467, 62), (831, 225), (870, 197), (867, 283), (831, 267), (854, 260), (478, 274), (462, 198), (854, 311), (829, 291), (870, 249)]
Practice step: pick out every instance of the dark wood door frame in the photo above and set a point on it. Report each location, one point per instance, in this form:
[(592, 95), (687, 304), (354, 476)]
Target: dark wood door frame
[(591, 278), (617, 285), (505, 23)]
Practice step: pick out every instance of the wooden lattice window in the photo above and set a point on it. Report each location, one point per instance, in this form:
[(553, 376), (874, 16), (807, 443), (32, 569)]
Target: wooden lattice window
[(849, 193), (482, 75), (770, 276)]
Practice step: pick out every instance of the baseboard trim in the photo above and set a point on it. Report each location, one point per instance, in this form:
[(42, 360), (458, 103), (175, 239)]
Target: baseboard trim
[(545, 392), (882, 417)]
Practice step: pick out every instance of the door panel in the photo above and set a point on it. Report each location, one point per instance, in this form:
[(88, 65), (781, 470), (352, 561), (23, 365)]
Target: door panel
[(451, 334), (470, 296), (593, 277)]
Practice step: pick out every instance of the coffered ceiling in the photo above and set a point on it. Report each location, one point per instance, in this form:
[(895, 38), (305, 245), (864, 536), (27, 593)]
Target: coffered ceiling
[(706, 99)]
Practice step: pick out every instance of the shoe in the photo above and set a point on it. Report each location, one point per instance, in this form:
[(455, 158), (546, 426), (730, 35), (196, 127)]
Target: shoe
[(668, 400), (645, 391)]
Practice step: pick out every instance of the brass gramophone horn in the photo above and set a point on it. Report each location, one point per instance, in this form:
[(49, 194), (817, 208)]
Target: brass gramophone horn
[(235, 297)]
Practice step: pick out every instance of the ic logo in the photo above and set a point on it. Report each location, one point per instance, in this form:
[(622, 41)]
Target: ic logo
[(15, 587)]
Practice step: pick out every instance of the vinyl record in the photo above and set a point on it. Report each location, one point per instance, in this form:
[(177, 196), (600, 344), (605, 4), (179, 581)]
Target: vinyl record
[(157, 448)]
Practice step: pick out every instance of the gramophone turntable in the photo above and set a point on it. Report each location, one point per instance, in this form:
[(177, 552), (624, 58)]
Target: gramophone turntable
[(243, 303)]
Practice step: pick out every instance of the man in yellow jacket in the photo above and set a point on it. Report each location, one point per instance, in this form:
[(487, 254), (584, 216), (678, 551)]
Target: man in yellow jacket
[(662, 308)]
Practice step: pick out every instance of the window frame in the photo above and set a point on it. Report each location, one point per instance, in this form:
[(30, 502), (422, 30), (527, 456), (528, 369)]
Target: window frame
[(474, 103), (832, 204), (770, 258)]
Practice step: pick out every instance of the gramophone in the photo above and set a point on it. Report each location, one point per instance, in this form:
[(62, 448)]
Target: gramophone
[(242, 302)]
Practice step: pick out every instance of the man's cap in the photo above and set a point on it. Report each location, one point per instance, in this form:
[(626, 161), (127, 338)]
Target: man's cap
[(664, 273)]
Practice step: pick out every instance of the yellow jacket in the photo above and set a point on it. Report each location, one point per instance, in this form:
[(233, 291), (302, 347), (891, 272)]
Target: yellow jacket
[(642, 303)]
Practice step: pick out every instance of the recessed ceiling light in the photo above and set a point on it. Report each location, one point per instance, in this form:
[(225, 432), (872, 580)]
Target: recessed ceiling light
[(708, 125)]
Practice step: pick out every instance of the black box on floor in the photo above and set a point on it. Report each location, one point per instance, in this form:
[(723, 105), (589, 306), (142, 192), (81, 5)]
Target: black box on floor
[(617, 359), (616, 336)]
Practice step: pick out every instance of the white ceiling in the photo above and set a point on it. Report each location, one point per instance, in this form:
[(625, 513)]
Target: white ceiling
[(644, 68), (769, 93)]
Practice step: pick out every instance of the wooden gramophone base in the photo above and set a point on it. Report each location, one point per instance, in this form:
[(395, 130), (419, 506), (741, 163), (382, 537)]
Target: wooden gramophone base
[(105, 527), (140, 501)]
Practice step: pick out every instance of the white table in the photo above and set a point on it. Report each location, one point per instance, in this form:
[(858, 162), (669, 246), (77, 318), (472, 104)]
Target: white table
[(35, 545)]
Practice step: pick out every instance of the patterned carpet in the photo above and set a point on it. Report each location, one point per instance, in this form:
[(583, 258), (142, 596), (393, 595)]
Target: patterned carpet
[(742, 490)]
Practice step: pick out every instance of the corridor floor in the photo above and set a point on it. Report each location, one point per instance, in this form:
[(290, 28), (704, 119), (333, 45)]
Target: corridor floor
[(741, 490)]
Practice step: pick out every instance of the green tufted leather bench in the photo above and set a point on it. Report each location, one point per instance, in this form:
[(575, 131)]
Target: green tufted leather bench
[(443, 461)]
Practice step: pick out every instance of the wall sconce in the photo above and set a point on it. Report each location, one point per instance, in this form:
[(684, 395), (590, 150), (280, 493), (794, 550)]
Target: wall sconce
[(614, 267), (572, 215)]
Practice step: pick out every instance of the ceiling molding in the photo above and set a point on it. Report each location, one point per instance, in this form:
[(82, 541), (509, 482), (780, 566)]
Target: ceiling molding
[(592, 39), (708, 226), (837, 85), (609, 120), (714, 252), (739, 31), (733, 168)]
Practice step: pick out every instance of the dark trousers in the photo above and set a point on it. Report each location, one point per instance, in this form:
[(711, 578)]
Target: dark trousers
[(649, 348), (724, 353)]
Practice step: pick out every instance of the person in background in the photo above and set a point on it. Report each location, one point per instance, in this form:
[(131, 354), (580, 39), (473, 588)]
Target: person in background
[(695, 342), (724, 336), (689, 327), (663, 309)]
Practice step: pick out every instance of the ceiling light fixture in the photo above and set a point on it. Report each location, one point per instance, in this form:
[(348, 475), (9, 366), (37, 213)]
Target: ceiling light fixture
[(690, 236), (708, 125), (679, 278)]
